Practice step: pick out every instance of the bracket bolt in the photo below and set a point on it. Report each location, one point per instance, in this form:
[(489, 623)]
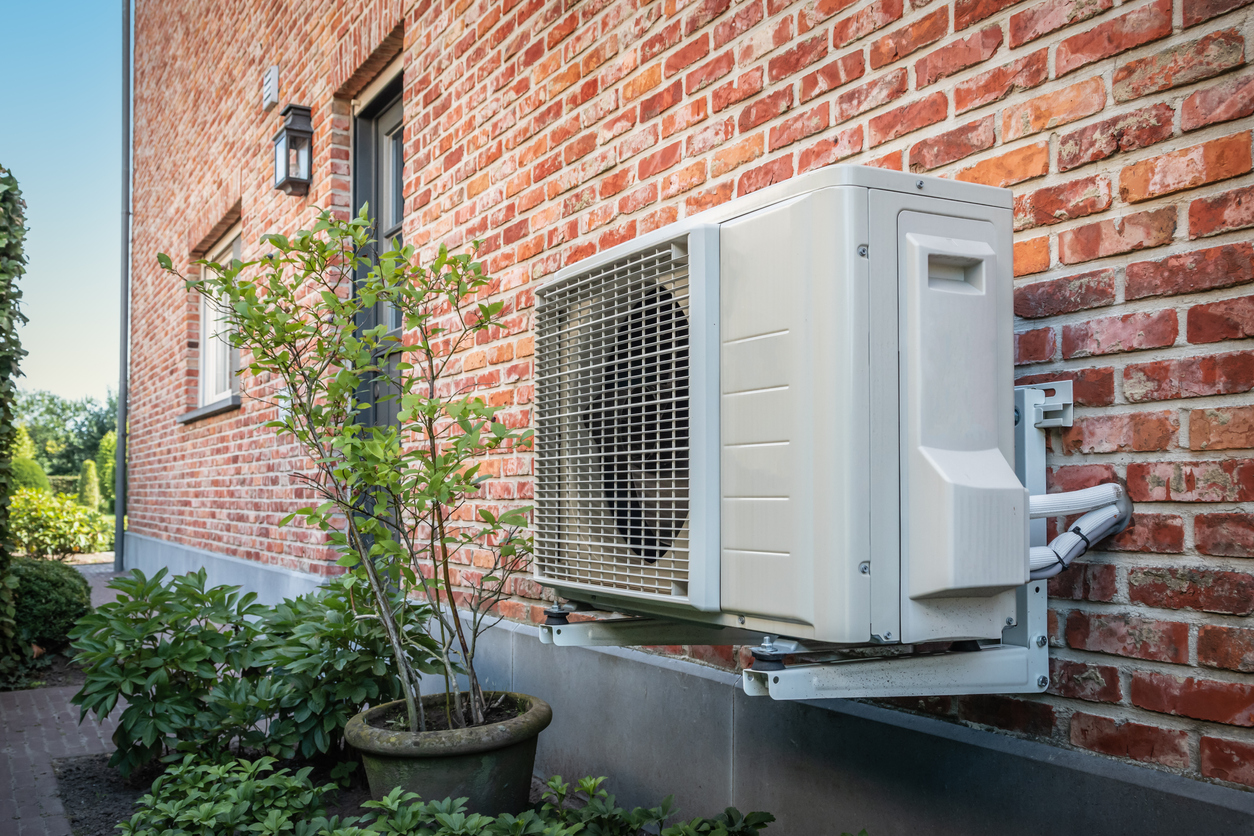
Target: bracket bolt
[(918, 184), (741, 619), (862, 250), (1042, 681), (888, 636), (1041, 641), (864, 567), (1010, 622)]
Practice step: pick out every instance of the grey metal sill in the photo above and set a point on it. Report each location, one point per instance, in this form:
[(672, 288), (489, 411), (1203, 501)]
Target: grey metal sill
[(215, 408)]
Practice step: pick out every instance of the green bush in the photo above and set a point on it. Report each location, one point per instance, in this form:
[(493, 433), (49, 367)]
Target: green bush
[(251, 797), (210, 671), (106, 455), (89, 486), (55, 525), (23, 447), (26, 473), (64, 484), (51, 597)]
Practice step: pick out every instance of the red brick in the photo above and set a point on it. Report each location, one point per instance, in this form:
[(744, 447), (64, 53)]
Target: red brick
[(815, 13), (951, 146), (1200, 11), (711, 136), (745, 18), (1112, 335), (908, 118), (719, 656), (765, 109), (1030, 256), (968, 12), (709, 72), (1079, 681), (910, 38), (1222, 213), (1138, 129), (1128, 635), (652, 106), (764, 175), (1224, 535), (1139, 231), (1204, 481), (745, 85), (1055, 204), (1209, 269), (690, 53), (830, 76), (1137, 27), (1076, 477), (692, 113), (1150, 533), (1228, 760), (709, 197), (1053, 109), (648, 78), (1121, 433), (1137, 741), (638, 199), (749, 148), (1038, 346), (659, 42), (1180, 65), (792, 61), (1232, 99), (1085, 582), (1231, 648), (957, 56), (871, 95), (865, 21), (1071, 293), (1090, 387), (1222, 428), (1187, 168), (1231, 703), (799, 127), (774, 34), (827, 151), (1049, 16), (1009, 168), (660, 160), (1027, 717), (892, 161), (703, 13), (993, 86), (1190, 377)]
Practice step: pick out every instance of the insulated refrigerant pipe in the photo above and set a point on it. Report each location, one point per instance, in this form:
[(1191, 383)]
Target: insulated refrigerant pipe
[(1109, 512)]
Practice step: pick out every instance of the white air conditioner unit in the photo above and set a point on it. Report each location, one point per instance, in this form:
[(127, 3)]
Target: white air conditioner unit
[(793, 414)]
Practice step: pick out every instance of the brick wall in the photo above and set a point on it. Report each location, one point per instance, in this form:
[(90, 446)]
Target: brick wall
[(553, 130)]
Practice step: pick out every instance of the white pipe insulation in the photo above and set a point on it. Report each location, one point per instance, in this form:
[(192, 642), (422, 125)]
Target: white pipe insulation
[(1109, 512)]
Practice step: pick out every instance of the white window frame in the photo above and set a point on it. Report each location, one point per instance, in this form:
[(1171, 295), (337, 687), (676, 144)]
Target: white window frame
[(217, 359)]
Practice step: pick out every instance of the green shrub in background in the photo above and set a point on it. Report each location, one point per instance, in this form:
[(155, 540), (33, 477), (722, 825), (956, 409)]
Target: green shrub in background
[(210, 671), (23, 447), (251, 797), (64, 484), (51, 597), (26, 473), (56, 526), (89, 486), (106, 462)]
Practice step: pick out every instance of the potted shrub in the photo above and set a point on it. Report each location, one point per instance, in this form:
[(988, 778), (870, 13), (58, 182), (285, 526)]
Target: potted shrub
[(358, 353)]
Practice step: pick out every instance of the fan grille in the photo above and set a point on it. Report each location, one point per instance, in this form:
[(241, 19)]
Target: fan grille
[(612, 418)]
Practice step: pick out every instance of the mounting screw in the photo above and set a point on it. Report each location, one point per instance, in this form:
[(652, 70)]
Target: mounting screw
[(1010, 622), (862, 250), (888, 637), (775, 679), (1041, 641), (741, 619), (1042, 681), (1016, 416), (864, 567), (918, 184)]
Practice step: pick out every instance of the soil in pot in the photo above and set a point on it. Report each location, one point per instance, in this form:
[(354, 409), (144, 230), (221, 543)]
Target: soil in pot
[(489, 765)]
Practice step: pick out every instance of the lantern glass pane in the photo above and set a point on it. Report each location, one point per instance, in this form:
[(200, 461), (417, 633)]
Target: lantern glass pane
[(280, 159), (300, 158)]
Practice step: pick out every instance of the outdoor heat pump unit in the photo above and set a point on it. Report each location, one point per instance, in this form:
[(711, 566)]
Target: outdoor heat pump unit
[(792, 420)]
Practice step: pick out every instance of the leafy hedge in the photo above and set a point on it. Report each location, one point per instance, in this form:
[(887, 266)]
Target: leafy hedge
[(50, 525), (26, 473), (12, 266), (51, 597)]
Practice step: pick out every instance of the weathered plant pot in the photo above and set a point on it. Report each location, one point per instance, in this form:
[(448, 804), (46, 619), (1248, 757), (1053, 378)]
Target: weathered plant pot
[(490, 765)]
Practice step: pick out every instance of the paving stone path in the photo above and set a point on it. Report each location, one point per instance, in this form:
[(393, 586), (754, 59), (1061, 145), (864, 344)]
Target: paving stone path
[(37, 726)]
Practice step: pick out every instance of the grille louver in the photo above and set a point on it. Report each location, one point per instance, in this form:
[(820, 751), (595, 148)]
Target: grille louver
[(612, 409)]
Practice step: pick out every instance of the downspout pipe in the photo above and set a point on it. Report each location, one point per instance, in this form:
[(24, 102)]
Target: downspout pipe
[(119, 471)]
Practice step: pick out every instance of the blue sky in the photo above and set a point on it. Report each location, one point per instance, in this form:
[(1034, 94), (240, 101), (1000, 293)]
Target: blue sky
[(60, 134)]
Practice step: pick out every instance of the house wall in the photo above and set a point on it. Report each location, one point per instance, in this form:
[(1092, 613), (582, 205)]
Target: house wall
[(554, 130)]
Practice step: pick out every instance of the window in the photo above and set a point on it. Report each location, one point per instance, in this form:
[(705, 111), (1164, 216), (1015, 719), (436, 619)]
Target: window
[(217, 357), (378, 180)]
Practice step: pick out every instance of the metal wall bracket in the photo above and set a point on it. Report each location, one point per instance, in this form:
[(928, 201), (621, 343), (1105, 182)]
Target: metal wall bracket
[(634, 632)]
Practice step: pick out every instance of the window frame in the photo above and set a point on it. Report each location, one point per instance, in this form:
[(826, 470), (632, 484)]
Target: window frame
[(229, 246)]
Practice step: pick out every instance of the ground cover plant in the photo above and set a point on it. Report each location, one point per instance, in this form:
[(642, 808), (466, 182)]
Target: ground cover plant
[(363, 345), (208, 670)]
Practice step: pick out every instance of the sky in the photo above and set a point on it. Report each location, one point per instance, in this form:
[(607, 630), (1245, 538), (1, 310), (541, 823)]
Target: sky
[(60, 135)]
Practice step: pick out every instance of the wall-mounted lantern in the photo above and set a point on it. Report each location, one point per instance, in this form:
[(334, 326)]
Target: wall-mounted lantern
[(293, 150)]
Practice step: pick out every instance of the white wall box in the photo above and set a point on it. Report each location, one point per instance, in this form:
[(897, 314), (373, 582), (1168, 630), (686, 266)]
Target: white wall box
[(791, 415)]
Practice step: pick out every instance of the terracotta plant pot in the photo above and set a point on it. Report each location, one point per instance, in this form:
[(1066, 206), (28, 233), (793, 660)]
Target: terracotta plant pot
[(490, 765)]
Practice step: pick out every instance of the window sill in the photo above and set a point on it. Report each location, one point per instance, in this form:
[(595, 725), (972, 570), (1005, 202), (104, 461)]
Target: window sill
[(215, 408)]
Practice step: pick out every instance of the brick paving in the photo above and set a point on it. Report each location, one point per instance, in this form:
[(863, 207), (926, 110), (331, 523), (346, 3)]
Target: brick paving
[(37, 726)]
